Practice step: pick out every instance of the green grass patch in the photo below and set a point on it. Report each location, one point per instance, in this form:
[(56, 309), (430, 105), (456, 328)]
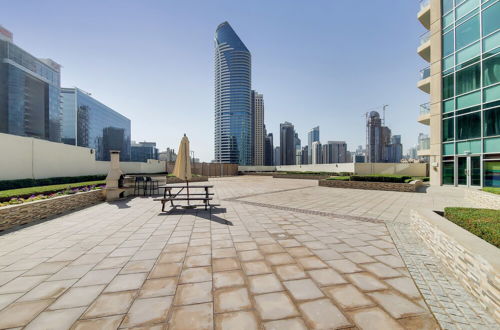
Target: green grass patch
[(484, 223), (381, 178), (339, 178), (45, 189), (492, 190), (27, 183)]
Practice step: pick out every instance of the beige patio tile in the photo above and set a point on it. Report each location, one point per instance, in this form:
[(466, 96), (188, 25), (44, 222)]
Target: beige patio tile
[(58, 319), (149, 311), (344, 266), (199, 250), (223, 264), (322, 314), (89, 259), (199, 242), (124, 252), (347, 296), (275, 306), (404, 285), (198, 261), (236, 320), (231, 299), (167, 258), (279, 259), (7, 276), (193, 293), (290, 272), (303, 289), (250, 255), (223, 253), (158, 287), (271, 248), (366, 282), (358, 257), (46, 268), (396, 305), (138, 266), (117, 262), (222, 244), (264, 283), (228, 279), (22, 284), (109, 322), (371, 250), (126, 282), (166, 270), (198, 316), (95, 277), (289, 324), (48, 290), (20, 314), (326, 277), (171, 248), (298, 252), (391, 261), (311, 263), (77, 297), (256, 267), (244, 246), (374, 318), (381, 270), (7, 299), (197, 274), (110, 304), (328, 254), (289, 243)]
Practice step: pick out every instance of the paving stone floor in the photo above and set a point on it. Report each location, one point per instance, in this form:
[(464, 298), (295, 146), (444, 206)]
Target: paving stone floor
[(281, 254)]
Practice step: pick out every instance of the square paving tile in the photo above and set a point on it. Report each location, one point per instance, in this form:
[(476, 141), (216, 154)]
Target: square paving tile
[(197, 274), (289, 324), (167, 258), (275, 306), (78, 297), (198, 316), (20, 314), (228, 279), (117, 262), (224, 264), (347, 296), (22, 284), (256, 267), (110, 322), (264, 283), (158, 287), (138, 266), (126, 282), (381, 270), (236, 320), (303, 289), (48, 290), (95, 277), (404, 285), (290, 272), (250, 255), (166, 270), (58, 319), (231, 299), (344, 266), (396, 305), (374, 318), (198, 261), (223, 253), (312, 263), (366, 282), (322, 314), (326, 277), (110, 304), (193, 293), (279, 259), (149, 311), (299, 252), (46, 268)]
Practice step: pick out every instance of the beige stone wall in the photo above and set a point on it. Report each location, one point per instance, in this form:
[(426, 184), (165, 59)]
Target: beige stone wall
[(341, 167), (483, 199), (474, 262), (22, 157), (386, 186), (15, 215), (410, 169)]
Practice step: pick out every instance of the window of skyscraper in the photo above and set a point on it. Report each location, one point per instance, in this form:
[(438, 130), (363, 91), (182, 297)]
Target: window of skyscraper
[(469, 126), (492, 122), (490, 19), (468, 79), (491, 70), (468, 32)]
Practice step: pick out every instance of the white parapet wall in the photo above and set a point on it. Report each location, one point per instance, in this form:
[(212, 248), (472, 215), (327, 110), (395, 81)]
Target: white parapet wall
[(23, 157), (410, 169)]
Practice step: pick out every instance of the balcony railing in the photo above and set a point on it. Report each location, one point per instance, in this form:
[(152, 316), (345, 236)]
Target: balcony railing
[(423, 4), (425, 73), (425, 109), (425, 37), (424, 144)]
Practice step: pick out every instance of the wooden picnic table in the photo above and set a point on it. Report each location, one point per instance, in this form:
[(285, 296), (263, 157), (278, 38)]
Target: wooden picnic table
[(169, 195)]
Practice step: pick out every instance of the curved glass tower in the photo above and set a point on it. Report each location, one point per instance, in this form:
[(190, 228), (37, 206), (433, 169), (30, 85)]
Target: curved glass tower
[(233, 118)]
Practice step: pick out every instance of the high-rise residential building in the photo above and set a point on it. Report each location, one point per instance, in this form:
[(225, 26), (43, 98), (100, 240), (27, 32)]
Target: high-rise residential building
[(269, 150), (142, 151), (297, 142), (287, 144), (87, 122), (325, 154), (312, 136), (233, 108), (29, 92), (463, 80), (277, 156), (412, 153), (258, 134), (374, 144), (316, 157), (305, 155), (168, 155), (336, 152), (395, 150)]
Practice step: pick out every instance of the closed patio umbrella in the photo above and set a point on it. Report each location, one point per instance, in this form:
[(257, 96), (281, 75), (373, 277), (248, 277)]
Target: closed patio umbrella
[(182, 168)]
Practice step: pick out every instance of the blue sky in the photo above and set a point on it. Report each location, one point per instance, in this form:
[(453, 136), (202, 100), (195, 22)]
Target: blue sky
[(316, 62)]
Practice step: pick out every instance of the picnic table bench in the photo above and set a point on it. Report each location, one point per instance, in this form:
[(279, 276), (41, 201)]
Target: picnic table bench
[(169, 195)]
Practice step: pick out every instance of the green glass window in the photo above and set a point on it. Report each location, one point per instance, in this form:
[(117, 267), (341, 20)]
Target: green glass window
[(448, 43), (468, 55), (448, 130), (491, 70), (492, 122), (469, 79), (448, 86), (491, 176), (448, 19), (468, 32), (491, 43), (492, 145), (468, 126), (448, 149), (449, 105), (447, 5), (492, 93), (468, 100), (491, 21), (448, 173), (466, 7), (473, 147), (448, 63)]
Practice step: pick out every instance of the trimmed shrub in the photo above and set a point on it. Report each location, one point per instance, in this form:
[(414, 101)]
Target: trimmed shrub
[(483, 223), (25, 183), (381, 178)]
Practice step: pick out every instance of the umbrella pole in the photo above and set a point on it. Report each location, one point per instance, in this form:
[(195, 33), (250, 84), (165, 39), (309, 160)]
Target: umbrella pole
[(187, 186)]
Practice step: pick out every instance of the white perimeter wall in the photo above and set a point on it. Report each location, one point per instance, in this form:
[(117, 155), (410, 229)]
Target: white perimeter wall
[(410, 169), (22, 157)]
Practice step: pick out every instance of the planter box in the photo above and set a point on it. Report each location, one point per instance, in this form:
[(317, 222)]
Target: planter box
[(301, 176), (483, 199), (474, 262), (20, 214), (367, 185)]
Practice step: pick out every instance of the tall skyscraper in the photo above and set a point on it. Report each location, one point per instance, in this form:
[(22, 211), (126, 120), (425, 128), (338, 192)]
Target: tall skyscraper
[(312, 136), (463, 80), (29, 92), (374, 145), (287, 143), (258, 128), (277, 156), (269, 150), (336, 152), (305, 155), (142, 151), (89, 123), (316, 150), (233, 108), (395, 150)]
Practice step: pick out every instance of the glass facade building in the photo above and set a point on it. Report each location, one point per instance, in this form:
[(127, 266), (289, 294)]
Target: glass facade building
[(471, 92), (89, 123), (233, 108), (29, 93)]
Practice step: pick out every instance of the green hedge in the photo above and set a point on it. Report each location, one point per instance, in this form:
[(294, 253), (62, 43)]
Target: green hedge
[(339, 178), (25, 183), (381, 178), (26, 192), (483, 223)]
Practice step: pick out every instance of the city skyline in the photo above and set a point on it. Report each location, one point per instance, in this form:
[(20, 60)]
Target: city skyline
[(286, 83)]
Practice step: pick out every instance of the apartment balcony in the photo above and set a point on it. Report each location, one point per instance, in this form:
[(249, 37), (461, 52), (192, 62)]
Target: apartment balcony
[(424, 84), (424, 116), (424, 49), (424, 14), (424, 147)]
